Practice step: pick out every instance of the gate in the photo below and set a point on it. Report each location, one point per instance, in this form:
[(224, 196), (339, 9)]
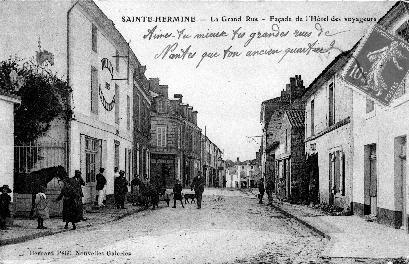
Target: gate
[(29, 158)]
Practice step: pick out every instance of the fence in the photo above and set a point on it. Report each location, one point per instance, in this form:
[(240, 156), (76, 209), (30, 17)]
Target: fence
[(34, 157)]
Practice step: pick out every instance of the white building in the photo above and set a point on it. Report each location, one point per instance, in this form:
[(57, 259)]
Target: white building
[(7, 138), (93, 56), (380, 181)]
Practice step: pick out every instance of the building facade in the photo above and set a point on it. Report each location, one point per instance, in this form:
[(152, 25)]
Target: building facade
[(290, 157), (328, 133), (81, 45), (175, 138), (7, 103), (272, 112), (380, 181)]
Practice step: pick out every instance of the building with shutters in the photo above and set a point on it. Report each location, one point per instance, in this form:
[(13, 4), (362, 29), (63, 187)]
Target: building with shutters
[(85, 48)]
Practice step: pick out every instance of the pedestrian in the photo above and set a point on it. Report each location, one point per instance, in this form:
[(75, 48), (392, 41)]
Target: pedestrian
[(71, 209), (261, 191), (116, 172), (41, 207), (5, 201), (177, 193), (269, 190), (78, 183), (198, 185), (120, 190), (101, 182)]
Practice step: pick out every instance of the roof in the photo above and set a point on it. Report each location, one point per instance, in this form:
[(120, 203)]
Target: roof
[(9, 97), (296, 117), (332, 68)]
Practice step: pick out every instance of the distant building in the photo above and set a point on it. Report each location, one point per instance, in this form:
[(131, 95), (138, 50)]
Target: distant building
[(271, 116), (175, 138)]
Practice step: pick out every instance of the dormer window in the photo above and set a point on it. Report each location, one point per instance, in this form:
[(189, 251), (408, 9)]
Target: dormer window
[(403, 31)]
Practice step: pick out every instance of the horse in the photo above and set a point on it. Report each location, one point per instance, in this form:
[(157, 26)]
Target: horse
[(36, 179)]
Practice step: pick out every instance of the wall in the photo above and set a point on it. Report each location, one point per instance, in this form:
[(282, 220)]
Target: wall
[(7, 141)]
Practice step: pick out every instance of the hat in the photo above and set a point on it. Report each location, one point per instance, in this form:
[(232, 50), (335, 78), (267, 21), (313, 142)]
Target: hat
[(6, 187), (77, 173), (121, 173)]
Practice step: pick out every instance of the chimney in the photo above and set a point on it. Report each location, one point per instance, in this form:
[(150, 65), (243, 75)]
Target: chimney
[(293, 81), (163, 90), (154, 85), (238, 159), (178, 96), (194, 117)]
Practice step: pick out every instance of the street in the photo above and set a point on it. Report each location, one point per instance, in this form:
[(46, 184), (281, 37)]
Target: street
[(231, 227)]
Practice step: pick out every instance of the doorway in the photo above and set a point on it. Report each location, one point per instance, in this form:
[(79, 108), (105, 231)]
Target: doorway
[(370, 181), (400, 179)]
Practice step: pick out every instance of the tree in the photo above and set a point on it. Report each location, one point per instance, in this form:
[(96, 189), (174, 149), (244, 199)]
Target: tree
[(44, 97)]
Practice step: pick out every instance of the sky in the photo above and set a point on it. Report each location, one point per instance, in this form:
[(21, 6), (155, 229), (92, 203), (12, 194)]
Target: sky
[(227, 87)]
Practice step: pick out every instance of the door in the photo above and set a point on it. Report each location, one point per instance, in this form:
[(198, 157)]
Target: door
[(402, 172), (373, 185), (93, 154)]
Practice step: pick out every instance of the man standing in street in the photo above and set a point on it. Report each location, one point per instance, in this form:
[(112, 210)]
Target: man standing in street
[(269, 190), (120, 190), (261, 191), (78, 183), (101, 182), (198, 185)]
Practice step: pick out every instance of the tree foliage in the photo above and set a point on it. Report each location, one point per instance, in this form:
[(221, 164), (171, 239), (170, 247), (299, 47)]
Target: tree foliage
[(44, 97)]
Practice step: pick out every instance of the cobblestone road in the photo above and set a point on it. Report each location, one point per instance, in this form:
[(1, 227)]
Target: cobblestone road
[(230, 228)]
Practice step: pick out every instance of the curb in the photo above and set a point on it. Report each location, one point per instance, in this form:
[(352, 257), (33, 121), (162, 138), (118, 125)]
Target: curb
[(305, 223), (25, 238)]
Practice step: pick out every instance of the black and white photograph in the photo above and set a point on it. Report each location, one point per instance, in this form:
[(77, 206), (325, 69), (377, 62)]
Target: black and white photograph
[(201, 132)]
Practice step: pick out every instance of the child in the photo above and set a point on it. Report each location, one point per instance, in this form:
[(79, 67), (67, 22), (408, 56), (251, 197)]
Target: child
[(5, 200), (41, 207), (177, 193)]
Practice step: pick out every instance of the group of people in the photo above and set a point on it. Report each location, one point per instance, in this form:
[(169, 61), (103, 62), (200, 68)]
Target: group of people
[(71, 195), (197, 185), (269, 188)]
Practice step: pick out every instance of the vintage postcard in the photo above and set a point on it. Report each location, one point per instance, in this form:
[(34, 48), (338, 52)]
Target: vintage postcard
[(204, 131)]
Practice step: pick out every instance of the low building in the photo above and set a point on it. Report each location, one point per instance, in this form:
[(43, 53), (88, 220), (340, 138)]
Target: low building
[(7, 103), (328, 133), (291, 180)]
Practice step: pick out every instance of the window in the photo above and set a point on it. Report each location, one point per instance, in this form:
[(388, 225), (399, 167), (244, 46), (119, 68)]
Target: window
[(116, 153), (116, 104), (117, 60), (94, 90), (128, 164), (137, 112), (331, 114), (128, 112), (369, 105), (94, 37), (286, 141), (161, 106), (92, 147), (161, 137), (312, 117)]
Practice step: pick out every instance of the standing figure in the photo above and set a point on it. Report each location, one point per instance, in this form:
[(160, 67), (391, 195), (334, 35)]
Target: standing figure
[(120, 190), (5, 200), (41, 207), (269, 190), (78, 183), (261, 191), (71, 209), (177, 193), (198, 185), (101, 182)]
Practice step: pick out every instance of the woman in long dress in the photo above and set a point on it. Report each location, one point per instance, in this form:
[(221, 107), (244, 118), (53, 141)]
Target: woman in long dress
[(72, 209)]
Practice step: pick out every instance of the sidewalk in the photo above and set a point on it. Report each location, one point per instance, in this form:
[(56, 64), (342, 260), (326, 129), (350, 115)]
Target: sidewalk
[(351, 236), (26, 229)]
